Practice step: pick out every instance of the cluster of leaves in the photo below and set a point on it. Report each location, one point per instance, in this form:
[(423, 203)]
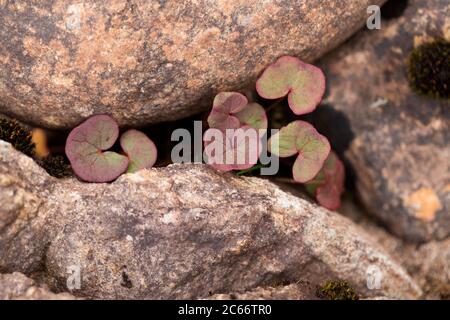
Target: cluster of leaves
[(19, 136), (87, 150), (304, 86), (231, 110), (337, 290)]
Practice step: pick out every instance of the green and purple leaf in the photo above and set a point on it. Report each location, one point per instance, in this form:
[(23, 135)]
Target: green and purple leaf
[(302, 82), (225, 106), (328, 185), (85, 148), (302, 138), (253, 115), (140, 150)]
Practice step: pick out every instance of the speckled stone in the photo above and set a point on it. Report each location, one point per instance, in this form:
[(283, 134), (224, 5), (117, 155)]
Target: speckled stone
[(149, 61), (16, 286), (182, 231), (396, 142)]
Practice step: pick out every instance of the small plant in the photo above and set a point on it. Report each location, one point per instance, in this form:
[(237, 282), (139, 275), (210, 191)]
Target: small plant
[(304, 85), (429, 69), (337, 290), (328, 185), (231, 111), (19, 136), (87, 150)]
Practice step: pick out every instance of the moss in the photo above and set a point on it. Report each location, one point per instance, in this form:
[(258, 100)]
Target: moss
[(56, 166), (19, 136), (337, 290), (429, 69)]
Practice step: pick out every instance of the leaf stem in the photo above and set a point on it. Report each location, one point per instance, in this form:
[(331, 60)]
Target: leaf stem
[(255, 167)]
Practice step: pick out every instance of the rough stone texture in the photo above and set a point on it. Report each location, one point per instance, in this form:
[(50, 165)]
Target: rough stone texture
[(288, 292), (396, 142), (16, 286), (183, 231), (150, 61), (428, 264)]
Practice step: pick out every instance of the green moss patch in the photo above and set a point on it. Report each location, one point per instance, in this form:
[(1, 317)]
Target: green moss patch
[(429, 69), (337, 290)]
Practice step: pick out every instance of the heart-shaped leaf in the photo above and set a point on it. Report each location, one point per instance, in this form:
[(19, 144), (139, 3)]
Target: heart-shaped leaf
[(84, 149), (328, 185), (140, 150), (232, 149), (253, 115), (302, 138), (225, 106), (302, 82)]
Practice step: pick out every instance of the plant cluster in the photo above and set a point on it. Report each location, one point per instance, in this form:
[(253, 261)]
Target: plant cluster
[(88, 146), (304, 85), (231, 110)]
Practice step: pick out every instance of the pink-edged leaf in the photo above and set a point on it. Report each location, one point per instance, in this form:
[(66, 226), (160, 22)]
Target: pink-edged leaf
[(220, 120), (225, 106), (84, 149), (140, 150), (232, 149), (302, 82), (229, 102), (253, 115), (313, 150), (328, 193), (302, 138), (283, 143)]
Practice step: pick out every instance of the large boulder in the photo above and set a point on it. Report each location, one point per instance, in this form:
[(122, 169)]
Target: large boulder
[(396, 141), (150, 61), (183, 231)]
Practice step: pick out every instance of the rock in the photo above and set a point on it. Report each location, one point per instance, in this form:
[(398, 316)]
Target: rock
[(16, 286), (182, 231), (149, 61), (428, 264), (395, 141), (289, 292)]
